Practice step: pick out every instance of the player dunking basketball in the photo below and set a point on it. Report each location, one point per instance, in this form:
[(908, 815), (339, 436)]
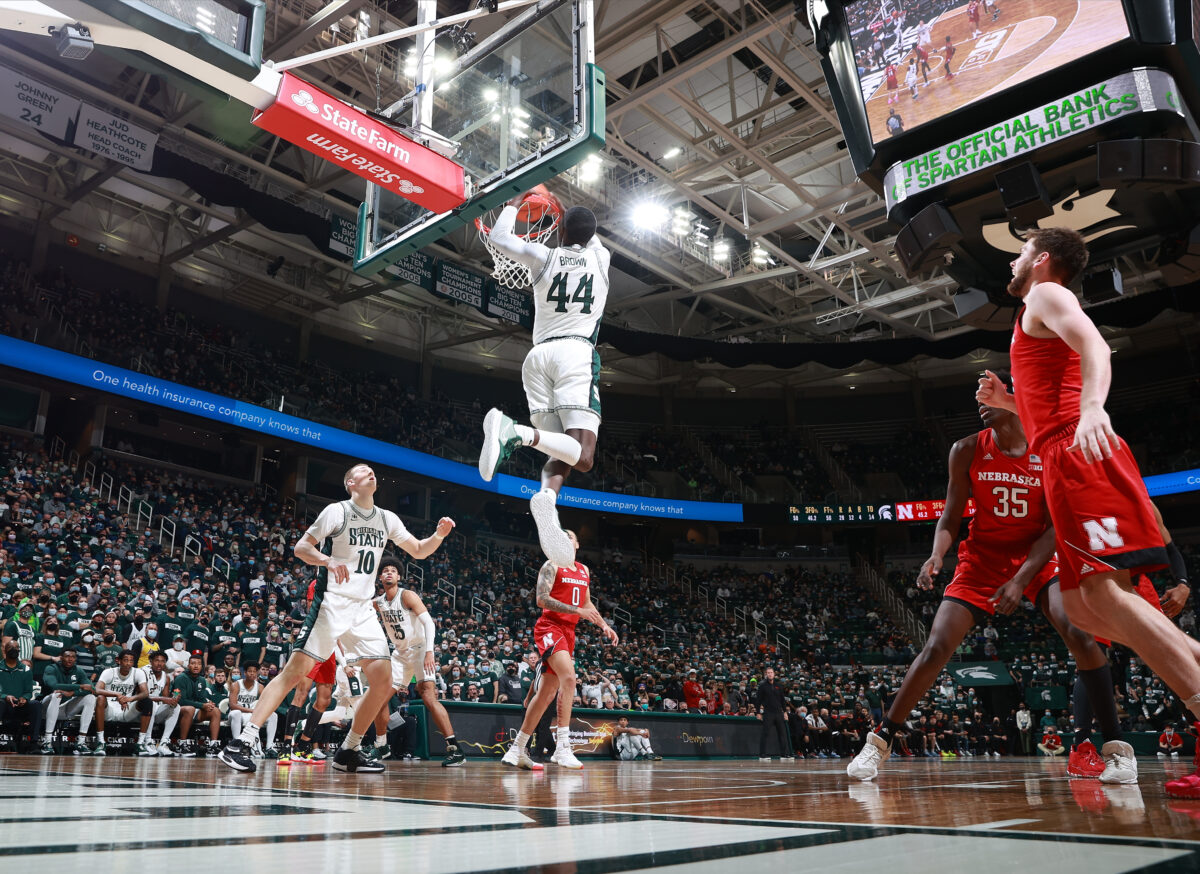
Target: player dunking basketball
[(1007, 552), (345, 544), (1103, 520), (561, 372), (565, 596)]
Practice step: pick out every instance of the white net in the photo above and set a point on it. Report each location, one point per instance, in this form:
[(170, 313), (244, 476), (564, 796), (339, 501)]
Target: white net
[(505, 270)]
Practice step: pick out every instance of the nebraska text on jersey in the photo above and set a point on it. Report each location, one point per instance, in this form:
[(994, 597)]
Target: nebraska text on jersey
[(999, 476)]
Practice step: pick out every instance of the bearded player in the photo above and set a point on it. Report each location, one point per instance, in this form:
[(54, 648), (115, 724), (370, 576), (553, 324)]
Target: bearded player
[(564, 594), (1007, 552), (410, 628), (561, 372), (1104, 522), (351, 536)]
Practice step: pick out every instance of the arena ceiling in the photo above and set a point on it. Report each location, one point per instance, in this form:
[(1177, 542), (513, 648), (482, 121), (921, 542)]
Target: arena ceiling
[(715, 108)]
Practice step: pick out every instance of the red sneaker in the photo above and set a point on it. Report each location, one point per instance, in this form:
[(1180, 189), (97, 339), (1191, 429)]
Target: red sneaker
[(1085, 761), (1185, 787)]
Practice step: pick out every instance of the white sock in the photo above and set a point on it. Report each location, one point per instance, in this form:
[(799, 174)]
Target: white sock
[(142, 735), (522, 740), (524, 432), (380, 742), (100, 736), (563, 738), (353, 741), (561, 446), (249, 733)]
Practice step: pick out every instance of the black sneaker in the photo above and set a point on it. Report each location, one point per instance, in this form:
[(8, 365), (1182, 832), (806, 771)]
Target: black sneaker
[(454, 758), (237, 756), (354, 760)]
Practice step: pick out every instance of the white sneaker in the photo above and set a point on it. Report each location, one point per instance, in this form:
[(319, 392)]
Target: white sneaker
[(164, 750), (1174, 755), (866, 764), (518, 757), (1120, 763), (565, 758), (764, 758), (499, 440), (553, 539)]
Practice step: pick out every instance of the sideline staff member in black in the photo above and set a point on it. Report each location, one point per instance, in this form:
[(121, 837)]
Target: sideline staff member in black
[(769, 703)]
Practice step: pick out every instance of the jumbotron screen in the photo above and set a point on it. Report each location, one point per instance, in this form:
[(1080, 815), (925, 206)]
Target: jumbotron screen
[(919, 61)]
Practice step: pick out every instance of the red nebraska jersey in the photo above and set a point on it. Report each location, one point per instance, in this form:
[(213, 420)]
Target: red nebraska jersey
[(570, 587), (1047, 383), (1009, 501)]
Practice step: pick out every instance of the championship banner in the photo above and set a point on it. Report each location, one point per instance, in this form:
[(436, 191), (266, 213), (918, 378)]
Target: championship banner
[(509, 305), (39, 106), (1143, 90), (459, 284), (306, 116), (980, 674), (114, 137), (417, 269), (486, 730)]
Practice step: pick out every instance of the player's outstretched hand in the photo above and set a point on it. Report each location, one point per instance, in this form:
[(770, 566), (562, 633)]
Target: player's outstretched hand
[(341, 573), (992, 392), (929, 572), (444, 526), (1094, 436), (1008, 596), (610, 634), (592, 615)]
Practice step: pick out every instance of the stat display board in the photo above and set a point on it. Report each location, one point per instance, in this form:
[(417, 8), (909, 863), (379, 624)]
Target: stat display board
[(915, 67), (824, 514)]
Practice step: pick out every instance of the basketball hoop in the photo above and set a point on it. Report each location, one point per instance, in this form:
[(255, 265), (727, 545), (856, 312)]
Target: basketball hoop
[(541, 214)]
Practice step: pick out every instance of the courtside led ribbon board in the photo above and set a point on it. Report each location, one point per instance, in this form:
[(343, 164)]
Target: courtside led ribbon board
[(1143, 90), (181, 398), (306, 116)]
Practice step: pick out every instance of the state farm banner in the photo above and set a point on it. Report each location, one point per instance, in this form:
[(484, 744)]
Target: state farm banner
[(113, 137), (306, 116)]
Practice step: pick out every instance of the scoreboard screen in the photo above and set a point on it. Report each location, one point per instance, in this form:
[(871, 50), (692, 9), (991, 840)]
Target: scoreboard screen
[(824, 514), (927, 511), (917, 63)]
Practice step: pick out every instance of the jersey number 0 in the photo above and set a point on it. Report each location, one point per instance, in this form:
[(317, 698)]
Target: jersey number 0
[(557, 294)]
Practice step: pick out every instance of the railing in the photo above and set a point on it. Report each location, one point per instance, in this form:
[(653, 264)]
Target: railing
[(741, 617), (719, 469), (902, 614), (89, 473), (760, 628), (702, 591), (720, 606), (784, 641), (144, 511), (655, 629), (416, 572), (192, 545), (482, 547), (73, 460), (221, 565), (481, 609), (107, 484), (166, 531), (622, 615), (125, 500), (448, 589), (57, 447)]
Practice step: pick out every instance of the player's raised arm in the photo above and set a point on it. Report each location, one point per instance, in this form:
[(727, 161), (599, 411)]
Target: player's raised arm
[(1055, 307), (427, 547), (958, 489), (530, 254)]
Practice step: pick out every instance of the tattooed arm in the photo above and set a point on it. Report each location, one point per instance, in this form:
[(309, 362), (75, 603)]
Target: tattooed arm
[(544, 581)]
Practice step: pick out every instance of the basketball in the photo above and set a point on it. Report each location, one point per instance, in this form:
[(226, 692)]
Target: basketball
[(536, 204)]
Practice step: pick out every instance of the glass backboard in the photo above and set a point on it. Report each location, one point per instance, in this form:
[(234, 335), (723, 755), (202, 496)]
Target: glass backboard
[(524, 105)]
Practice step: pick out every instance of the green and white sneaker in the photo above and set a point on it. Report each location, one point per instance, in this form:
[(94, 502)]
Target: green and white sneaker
[(145, 751), (499, 440), (80, 748), (46, 749), (99, 750)]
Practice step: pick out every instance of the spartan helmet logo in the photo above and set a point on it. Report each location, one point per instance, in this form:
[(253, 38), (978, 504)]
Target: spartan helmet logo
[(303, 98), (885, 512)]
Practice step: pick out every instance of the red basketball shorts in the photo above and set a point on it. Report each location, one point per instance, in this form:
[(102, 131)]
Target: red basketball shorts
[(1103, 518), (977, 578), (551, 637), (325, 672)]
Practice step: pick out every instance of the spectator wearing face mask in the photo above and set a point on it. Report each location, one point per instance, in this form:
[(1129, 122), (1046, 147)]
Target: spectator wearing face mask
[(146, 646), (169, 622), (509, 687), (108, 651), (274, 651), (21, 631), (177, 655), (250, 643), (48, 648), (16, 690), (85, 653)]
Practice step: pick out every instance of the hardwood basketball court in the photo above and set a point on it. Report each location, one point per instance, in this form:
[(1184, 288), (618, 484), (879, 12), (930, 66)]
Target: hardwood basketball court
[(977, 815)]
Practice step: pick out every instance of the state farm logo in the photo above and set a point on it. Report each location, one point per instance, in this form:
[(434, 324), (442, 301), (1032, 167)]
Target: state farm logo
[(303, 98)]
